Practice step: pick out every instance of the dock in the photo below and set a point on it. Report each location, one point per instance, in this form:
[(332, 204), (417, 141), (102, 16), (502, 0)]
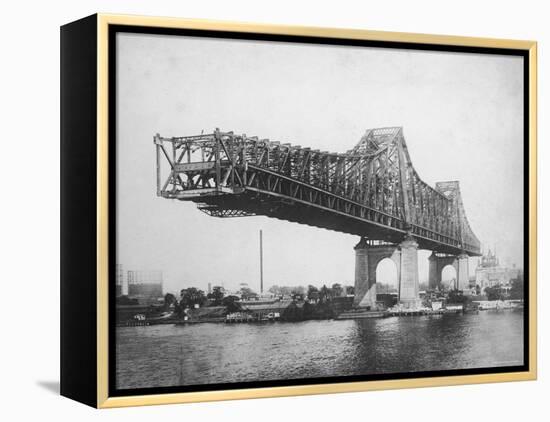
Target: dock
[(361, 313)]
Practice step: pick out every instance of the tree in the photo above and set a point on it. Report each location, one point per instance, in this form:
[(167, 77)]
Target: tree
[(516, 292), (455, 296), (274, 290), (337, 290), (169, 300), (285, 291), (191, 296), (247, 293), (217, 295), (325, 293), (495, 292), (298, 293), (231, 303), (350, 290), (312, 293)]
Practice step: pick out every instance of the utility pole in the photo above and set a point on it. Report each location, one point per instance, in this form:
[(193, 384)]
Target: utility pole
[(261, 265)]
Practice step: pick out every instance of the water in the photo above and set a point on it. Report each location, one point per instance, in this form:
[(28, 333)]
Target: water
[(168, 355)]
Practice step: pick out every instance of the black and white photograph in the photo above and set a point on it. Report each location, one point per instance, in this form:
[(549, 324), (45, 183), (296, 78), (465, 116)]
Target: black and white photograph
[(293, 211), (275, 211)]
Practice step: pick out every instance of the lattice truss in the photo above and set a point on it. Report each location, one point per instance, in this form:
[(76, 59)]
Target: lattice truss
[(372, 190)]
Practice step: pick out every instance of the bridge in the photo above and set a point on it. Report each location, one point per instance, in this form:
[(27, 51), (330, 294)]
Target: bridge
[(372, 191)]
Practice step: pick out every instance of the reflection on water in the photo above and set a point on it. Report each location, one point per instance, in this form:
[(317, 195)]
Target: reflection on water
[(168, 355)]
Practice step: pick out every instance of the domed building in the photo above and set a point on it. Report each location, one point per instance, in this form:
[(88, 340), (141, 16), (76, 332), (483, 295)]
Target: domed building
[(489, 272)]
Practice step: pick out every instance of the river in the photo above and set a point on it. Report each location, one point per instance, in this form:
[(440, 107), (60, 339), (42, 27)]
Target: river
[(169, 355)]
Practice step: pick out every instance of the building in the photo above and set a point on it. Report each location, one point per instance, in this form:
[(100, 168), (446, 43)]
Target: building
[(489, 272), (146, 286), (121, 284), (263, 309)]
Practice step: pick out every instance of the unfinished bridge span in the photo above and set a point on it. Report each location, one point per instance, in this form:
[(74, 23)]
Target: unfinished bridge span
[(372, 191)]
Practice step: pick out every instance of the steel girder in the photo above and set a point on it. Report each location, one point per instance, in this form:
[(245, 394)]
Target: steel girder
[(371, 190)]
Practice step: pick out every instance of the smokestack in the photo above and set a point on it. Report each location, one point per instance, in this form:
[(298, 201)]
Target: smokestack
[(261, 265)]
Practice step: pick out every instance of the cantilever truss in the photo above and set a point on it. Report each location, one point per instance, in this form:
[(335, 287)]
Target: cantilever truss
[(372, 190)]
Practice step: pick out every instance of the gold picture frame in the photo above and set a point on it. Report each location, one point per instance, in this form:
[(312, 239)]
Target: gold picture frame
[(100, 216)]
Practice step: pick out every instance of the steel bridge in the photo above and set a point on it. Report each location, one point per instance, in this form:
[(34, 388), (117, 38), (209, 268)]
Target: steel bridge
[(372, 190)]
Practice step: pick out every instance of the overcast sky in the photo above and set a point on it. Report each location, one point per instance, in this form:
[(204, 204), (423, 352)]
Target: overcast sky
[(462, 116)]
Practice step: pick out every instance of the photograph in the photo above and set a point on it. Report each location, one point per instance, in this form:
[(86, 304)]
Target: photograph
[(306, 210), (275, 211)]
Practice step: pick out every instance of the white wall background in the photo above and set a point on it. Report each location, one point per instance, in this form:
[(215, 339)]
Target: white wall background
[(29, 208)]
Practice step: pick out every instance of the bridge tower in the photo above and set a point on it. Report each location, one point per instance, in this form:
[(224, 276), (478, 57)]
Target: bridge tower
[(408, 284), (439, 261), (369, 253)]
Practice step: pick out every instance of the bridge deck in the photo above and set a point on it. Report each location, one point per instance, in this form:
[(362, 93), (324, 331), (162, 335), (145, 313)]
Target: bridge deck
[(370, 191)]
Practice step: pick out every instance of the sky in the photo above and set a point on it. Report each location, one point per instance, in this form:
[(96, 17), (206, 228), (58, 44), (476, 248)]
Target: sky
[(461, 113)]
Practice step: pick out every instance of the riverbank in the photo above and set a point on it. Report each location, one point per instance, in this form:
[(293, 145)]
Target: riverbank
[(286, 310), (303, 311)]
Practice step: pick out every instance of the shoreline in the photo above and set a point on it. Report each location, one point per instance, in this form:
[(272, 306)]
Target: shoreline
[(344, 316)]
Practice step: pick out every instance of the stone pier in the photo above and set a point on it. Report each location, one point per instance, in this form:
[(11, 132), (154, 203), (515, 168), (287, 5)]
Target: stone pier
[(440, 261), (463, 276), (408, 284), (367, 257)]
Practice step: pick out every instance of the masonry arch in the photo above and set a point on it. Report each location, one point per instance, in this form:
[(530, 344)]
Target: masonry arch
[(387, 279), (449, 276), (367, 258)]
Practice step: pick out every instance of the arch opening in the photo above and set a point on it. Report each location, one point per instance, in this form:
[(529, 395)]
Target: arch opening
[(386, 277), (449, 277)]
